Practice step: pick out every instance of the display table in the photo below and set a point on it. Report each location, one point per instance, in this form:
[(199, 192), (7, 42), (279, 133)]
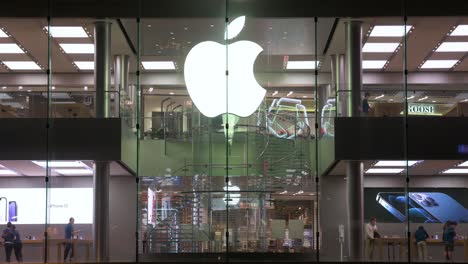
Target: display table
[(401, 243)]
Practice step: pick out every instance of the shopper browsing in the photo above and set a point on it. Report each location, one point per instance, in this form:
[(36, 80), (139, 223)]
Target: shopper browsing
[(365, 105), (421, 235), (69, 233), (449, 239), (8, 238), (17, 245), (371, 235)]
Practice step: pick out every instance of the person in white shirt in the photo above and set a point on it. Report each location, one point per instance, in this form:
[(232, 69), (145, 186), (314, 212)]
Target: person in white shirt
[(371, 229)]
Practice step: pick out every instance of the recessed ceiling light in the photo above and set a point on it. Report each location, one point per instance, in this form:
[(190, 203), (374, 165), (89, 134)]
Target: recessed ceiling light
[(171, 93), (78, 48), (10, 48), (300, 65), (380, 47), (384, 171), (456, 171), (85, 65), (274, 93), (158, 65), (434, 101), (389, 31), (22, 65), (60, 164), (3, 34), (373, 64), (4, 87), (460, 30), (150, 90), (464, 164), (411, 97), (67, 32), (20, 87), (453, 47), (74, 171), (380, 96), (290, 93), (6, 172), (395, 163), (85, 88), (304, 96), (53, 87), (438, 64), (422, 99)]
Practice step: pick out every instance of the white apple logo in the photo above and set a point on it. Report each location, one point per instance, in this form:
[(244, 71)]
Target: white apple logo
[(234, 195), (205, 75)]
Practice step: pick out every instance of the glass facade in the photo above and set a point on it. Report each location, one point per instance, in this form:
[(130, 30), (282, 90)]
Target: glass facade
[(234, 134)]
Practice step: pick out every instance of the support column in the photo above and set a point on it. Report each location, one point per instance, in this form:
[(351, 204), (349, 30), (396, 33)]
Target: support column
[(354, 169), (101, 177), (121, 71), (338, 68)]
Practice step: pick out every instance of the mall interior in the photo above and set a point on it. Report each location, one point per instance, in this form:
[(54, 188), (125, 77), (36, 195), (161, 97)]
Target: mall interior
[(233, 131)]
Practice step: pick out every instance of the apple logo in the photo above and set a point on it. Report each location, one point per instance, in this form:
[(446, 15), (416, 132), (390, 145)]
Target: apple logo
[(234, 194), (205, 75)]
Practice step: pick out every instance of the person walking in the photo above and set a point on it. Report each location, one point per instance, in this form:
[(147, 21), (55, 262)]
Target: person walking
[(17, 245), (371, 230), (421, 235), (8, 238), (69, 232)]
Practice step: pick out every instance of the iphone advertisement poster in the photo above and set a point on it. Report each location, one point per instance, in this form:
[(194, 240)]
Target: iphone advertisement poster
[(28, 205)]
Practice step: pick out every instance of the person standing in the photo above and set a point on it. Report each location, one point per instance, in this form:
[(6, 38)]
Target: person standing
[(421, 235), (449, 239), (365, 104), (69, 232), (8, 237), (371, 231)]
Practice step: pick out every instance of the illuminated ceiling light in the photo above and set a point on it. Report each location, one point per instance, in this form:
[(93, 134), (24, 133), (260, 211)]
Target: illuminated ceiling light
[(422, 99), (456, 171), (283, 192), (380, 47), (384, 171), (53, 87), (466, 100), (460, 30), (434, 101), (22, 65), (60, 164), (439, 64), (373, 64), (150, 90), (453, 47), (395, 163), (20, 87), (411, 97), (6, 172), (380, 96), (464, 164), (85, 65), (158, 65), (3, 34), (304, 96), (274, 93), (74, 171), (85, 88), (389, 31), (290, 93), (67, 32), (78, 48), (171, 93), (301, 65), (10, 48)]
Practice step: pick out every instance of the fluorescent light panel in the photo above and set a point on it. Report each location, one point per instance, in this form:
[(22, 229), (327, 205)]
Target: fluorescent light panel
[(384, 171), (60, 164), (461, 30), (10, 48), (456, 171), (22, 65), (78, 48), (379, 47), (395, 163), (3, 34), (158, 65), (85, 65), (74, 171), (5, 172), (389, 31), (464, 164), (373, 64), (438, 64), (67, 32), (453, 47), (300, 65)]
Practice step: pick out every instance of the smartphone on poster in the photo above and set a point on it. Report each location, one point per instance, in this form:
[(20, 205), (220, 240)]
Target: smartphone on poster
[(12, 211)]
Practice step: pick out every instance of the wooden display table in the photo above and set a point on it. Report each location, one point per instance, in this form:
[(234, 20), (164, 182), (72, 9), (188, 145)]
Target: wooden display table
[(390, 241), (429, 242)]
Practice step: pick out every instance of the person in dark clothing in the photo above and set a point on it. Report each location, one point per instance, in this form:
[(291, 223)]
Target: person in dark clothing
[(8, 237), (365, 104), (69, 232), (17, 245), (421, 235), (449, 239)]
